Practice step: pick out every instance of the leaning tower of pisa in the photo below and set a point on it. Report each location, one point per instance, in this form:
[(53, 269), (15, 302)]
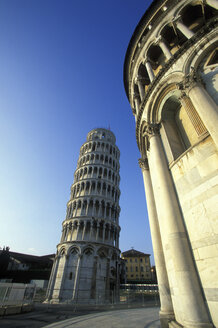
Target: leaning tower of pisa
[(86, 267)]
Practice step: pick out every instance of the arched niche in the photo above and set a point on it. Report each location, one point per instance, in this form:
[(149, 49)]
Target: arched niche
[(179, 125)]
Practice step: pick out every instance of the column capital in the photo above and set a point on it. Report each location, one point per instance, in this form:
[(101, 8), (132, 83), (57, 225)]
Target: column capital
[(190, 81), (138, 78), (136, 95), (146, 60), (152, 130), (159, 39), (143, 163)]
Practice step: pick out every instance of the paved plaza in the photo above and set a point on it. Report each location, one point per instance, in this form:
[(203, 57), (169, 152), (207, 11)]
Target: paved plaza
[(60, 318)]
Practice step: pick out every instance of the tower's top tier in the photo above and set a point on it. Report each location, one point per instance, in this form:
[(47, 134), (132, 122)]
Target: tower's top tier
[(101, 134)]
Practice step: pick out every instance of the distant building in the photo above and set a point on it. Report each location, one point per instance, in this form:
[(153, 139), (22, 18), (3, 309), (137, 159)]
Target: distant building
[(25, 268), (138, 267)]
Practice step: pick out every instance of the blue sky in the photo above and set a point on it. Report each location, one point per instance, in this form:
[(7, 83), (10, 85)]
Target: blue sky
[(61, 75)]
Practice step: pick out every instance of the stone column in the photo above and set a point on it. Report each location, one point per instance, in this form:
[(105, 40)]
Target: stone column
[(109, 215), (72, 228), (164, 48), (93, 208), (149, 70), (187, 299), (67, 230), (104, 227), (184, 29), (138, 81), (166, 310), (99, 209), (84, 230), (90, 189), (77, 276), (137, 103), (77, 203), (212, 3), (112, 236), (87, 208), (68, 211), (91, 228), (203, 103), (52, 278), (97, 231), (77, 230)]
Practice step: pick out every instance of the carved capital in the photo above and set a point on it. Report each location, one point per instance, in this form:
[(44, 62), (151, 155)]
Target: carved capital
[(152, 130), (138, 79), (159, 39), (143, 163), (136, 95), (189, 81)]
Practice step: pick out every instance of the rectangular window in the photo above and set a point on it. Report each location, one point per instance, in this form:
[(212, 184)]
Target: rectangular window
[(142, 269), (136, 269)]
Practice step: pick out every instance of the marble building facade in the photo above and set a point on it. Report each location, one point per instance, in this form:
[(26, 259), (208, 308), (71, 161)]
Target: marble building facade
[(86, 267), (171, 81)]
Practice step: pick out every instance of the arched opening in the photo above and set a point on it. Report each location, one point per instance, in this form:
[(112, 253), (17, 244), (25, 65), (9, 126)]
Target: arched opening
[(95, 171), (181, 126), (78, 212), (97, 208), (102, 207), (90, 172), (98, 187), (193, 17), (87, 187), (104, 189), (172, 38), (93, 187), (156, 58), (94, 146)]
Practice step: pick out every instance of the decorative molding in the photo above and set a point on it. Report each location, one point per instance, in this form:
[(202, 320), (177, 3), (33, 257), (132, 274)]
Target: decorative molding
[(205, 29), (143, 163), (189, 82), (152, 130)]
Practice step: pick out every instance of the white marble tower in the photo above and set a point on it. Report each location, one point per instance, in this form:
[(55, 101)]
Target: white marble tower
[(86, 267), (171, 80)]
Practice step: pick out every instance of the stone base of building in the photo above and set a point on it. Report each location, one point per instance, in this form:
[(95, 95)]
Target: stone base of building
[(165, 319), (174, 324)]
